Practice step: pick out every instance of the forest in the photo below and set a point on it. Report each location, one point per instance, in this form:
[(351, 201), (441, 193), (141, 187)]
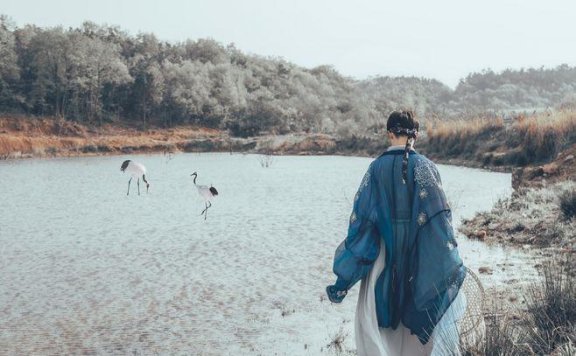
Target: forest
[(99, 74)]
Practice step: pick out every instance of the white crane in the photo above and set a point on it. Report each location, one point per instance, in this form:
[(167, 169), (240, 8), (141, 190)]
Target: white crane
[(136, 170), (207, 193)]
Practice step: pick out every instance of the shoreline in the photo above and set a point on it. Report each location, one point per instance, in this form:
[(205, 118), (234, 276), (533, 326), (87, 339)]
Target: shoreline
[(52, 138)]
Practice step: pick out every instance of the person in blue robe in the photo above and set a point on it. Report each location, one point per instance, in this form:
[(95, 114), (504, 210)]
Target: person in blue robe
[(400, 216)]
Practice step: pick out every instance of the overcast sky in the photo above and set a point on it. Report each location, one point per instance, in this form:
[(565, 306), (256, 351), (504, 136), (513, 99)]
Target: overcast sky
[(444, 39)]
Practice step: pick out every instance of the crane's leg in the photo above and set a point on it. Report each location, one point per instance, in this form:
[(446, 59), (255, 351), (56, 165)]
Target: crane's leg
[(129, 186), (138, 186), (205, 211), (208, 205)]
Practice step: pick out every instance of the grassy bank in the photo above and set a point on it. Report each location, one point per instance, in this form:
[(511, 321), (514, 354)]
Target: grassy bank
[(25, 137), (542, 217), (489, 142), (33, 137), (493, 141), (538, 149)]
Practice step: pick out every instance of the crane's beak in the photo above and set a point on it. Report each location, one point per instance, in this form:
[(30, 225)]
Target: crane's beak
[(147, 187)]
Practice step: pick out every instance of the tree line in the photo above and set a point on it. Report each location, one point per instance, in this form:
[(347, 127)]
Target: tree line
[(97, 74)]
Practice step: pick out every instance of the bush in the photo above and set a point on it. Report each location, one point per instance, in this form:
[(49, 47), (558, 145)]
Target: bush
[(518, 158), (568, 204)]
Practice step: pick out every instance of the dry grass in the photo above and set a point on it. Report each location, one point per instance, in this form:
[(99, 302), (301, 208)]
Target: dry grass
[(337, 342), (552, 309), (30, 137), (460, 137), (541, 137), (547, 327), (494, 141), (562, 124), (500, 340), (463, 129)]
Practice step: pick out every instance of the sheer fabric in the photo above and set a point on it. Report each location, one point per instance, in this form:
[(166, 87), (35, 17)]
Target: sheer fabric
[(408, 225), (372, 340)]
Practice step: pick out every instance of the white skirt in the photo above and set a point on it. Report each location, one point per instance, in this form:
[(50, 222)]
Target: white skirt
[(372, 340)]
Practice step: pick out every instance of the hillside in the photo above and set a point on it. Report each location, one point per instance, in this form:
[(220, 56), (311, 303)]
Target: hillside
[(98, 75)]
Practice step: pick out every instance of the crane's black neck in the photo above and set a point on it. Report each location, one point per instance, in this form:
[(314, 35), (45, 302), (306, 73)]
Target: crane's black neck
[(125, 165)]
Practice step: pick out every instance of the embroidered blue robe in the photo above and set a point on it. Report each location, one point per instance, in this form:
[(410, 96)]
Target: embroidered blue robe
[(412, 220)]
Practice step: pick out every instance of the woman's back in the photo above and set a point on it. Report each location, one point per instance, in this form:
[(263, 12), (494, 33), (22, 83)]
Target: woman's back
[(401, 245)]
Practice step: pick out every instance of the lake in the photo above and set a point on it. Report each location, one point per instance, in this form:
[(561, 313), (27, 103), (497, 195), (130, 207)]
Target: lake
[(87, 269)]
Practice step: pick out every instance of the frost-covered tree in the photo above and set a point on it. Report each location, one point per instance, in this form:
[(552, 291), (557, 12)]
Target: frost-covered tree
[(95, 73), (9, 70)]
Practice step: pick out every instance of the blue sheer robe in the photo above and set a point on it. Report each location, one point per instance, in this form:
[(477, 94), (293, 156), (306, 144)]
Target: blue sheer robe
[(423, 271)]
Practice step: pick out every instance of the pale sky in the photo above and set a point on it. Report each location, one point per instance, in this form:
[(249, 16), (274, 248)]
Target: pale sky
[(445, 39)]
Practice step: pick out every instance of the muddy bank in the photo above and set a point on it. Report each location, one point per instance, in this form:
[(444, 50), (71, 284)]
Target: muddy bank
[(562, 168)]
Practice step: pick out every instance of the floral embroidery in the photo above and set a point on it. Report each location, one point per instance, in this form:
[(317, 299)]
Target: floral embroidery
[(422, 219), (365, 180), (423, 193), (426, 175), (363, 184)]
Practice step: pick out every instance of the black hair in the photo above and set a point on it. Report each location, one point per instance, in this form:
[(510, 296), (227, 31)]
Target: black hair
[(402, 123)]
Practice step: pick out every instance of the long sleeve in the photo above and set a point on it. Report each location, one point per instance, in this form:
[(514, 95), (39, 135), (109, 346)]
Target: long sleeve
[(356, 254)]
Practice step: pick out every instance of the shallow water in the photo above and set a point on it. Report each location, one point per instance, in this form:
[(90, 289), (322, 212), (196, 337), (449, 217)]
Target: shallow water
[(85, 268)]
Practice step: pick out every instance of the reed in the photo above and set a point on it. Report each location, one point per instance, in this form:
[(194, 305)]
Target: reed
[(492, 140), (542, 136), (460, 137), (552, 308)]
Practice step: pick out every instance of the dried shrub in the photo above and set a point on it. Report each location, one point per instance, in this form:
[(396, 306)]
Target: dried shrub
[(552, 309), (337, 342)]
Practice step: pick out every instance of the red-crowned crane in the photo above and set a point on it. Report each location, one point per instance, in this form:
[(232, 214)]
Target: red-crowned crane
[(207, 193), (136, 170)]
